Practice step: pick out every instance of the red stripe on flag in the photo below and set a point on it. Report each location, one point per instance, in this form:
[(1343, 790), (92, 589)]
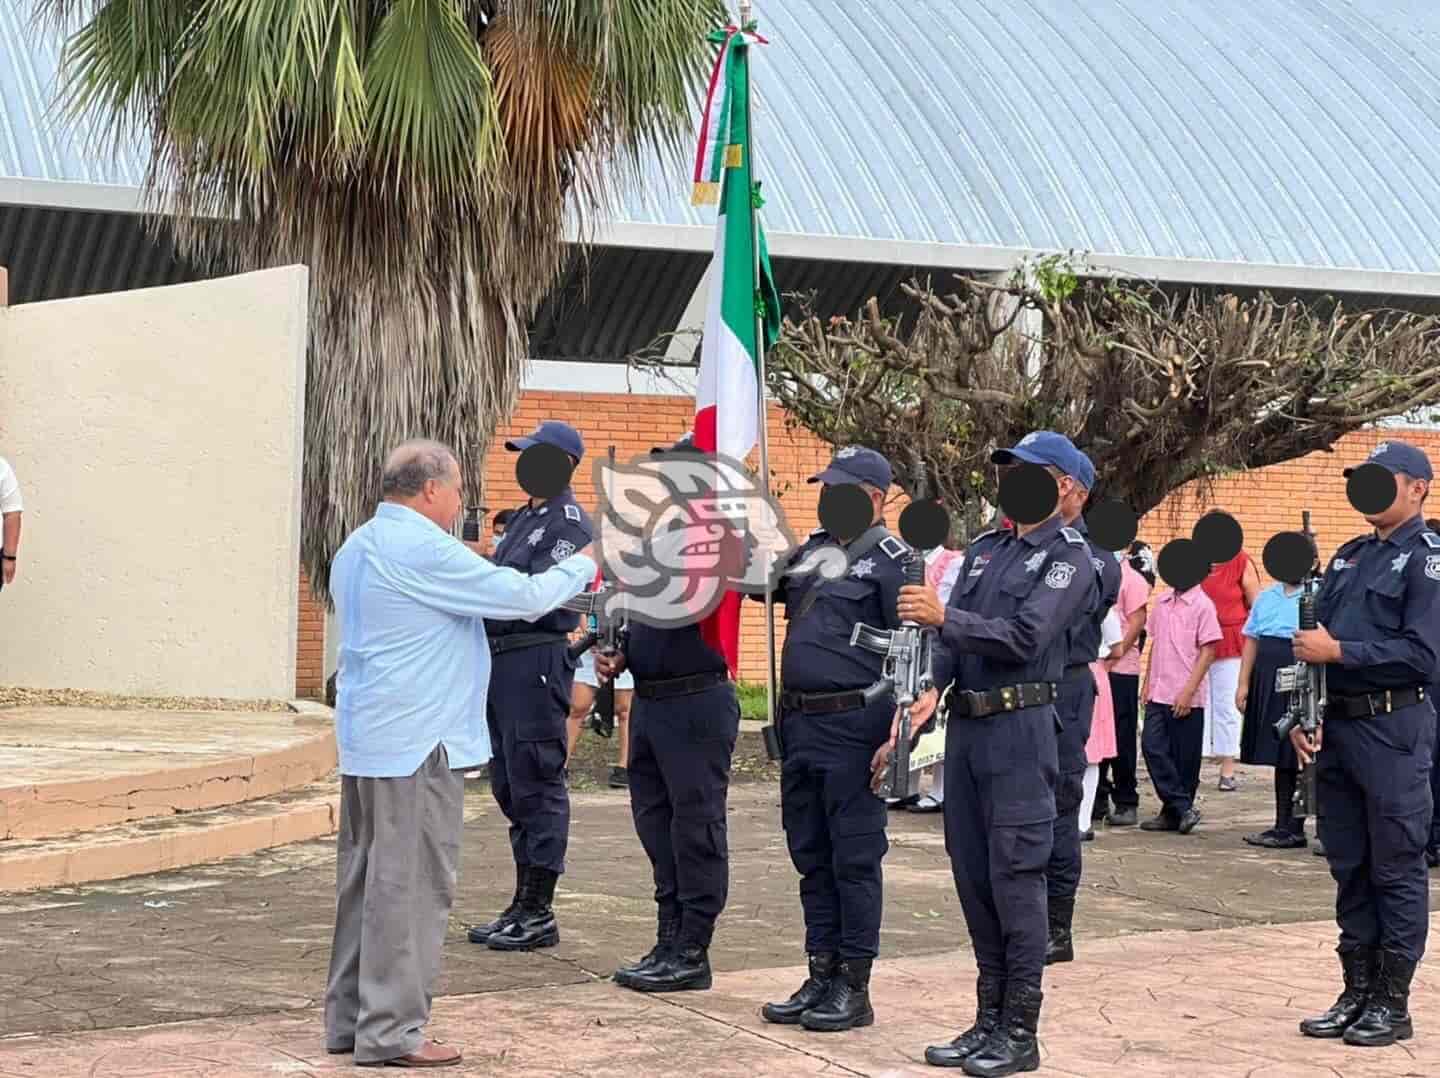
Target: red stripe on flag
[(721, 630)]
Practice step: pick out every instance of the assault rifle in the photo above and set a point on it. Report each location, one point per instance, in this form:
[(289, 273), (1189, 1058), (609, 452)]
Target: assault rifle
[(1305, 682), (610, 632), (907, 673)]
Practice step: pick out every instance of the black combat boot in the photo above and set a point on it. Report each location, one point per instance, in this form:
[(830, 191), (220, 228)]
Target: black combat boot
[(1386, 1018), (534, 922), (847, 1004), (1358, 967), (989, 999), (684, 967), (482, 933), (822, 970), (666, 931), (1060, 947), (1013, 1046)]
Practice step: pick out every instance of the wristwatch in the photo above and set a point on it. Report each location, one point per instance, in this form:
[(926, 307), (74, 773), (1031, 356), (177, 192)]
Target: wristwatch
[(9, 557)]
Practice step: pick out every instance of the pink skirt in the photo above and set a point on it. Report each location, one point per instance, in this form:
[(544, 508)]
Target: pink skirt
[(1101, 745)]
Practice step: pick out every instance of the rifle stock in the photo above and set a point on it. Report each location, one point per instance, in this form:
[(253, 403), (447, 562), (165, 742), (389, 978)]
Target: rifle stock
[(1305, 682)]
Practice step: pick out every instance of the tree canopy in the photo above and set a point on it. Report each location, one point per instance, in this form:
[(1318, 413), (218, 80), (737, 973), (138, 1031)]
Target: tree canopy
[(426, 159)]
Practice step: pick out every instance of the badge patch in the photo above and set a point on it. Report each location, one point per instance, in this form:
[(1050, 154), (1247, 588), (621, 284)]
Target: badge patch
[(1099, 565), (1034, 561), (1398, 564), (979, 566), (1432, 567), (848, 452), (1059, 575), (863, 568), (562, 550), (534, 538), (1339, 564)]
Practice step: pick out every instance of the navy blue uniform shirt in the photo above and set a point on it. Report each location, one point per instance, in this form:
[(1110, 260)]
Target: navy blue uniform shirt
[(534, 540), (1380, 598), (1014, 600), (818, 656), (1083, 637), (660, 654)]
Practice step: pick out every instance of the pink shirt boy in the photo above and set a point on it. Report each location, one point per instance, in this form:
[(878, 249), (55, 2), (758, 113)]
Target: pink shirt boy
[(1134, 594), (1181, 625)]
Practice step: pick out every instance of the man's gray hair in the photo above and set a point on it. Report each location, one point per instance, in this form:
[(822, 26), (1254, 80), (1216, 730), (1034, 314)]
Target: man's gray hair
[(411, 464)]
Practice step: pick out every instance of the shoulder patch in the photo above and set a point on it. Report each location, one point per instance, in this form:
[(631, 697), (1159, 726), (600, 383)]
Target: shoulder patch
[(1073, 537), (1431, 540), (896, 548), (572, 513)]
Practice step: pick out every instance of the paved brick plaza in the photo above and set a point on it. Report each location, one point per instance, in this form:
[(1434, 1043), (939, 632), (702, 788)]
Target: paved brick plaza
[(1197, 957)]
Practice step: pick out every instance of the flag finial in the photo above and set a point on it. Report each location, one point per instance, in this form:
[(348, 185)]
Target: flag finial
[(745, 12)]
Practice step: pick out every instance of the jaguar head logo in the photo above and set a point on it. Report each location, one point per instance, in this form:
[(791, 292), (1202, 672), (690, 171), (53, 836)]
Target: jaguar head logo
[(677, 531)]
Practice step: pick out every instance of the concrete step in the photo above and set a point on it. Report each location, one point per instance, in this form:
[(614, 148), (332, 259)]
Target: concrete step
[(174, 841), (65, 770)]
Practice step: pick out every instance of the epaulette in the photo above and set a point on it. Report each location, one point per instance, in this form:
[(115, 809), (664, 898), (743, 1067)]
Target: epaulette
[(572, 513), (1073, 537), (1431, 540), (1357, 539), (896, 548)]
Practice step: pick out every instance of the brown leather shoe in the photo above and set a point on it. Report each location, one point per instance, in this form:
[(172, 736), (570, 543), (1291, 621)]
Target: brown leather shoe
[(428, 1054)]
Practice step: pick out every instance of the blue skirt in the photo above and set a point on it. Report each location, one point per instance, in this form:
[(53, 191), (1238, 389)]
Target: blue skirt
[(1265, 707)]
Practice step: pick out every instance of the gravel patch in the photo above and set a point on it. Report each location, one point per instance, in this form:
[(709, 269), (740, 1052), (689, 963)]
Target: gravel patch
[(11, 696)]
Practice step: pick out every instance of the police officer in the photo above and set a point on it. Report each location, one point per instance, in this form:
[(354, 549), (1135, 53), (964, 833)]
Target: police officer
[(834, 824), (1076, 706), (682, 735), (1003, 643), (528, 704), (1379, 614)]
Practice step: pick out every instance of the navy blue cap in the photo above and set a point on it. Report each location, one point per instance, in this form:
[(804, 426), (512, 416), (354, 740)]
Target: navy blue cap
[(685, 444), (1397, 457), (551, 432), (1056, 450), (856, 464)]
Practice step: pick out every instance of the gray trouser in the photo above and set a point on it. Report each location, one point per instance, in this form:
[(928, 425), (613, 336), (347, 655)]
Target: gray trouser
[(396, 857)]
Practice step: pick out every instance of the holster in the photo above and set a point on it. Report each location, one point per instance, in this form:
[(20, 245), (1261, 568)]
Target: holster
[(774, 742)]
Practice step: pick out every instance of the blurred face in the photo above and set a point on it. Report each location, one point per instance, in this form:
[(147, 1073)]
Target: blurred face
[(1409, 497), (1071, 492)]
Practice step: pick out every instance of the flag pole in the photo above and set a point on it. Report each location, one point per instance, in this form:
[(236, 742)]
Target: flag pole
[(771, 675)]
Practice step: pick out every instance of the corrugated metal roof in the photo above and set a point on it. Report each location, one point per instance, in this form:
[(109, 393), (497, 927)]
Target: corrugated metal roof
[(1288, 132)]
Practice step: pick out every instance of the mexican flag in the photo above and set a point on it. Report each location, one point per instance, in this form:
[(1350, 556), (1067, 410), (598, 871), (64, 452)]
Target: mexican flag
[(743, 300)]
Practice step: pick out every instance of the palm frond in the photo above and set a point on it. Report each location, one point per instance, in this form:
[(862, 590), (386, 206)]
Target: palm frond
[(422, 157)]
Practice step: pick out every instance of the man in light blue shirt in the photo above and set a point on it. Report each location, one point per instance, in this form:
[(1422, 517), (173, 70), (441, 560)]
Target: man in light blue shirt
[(414, 671)]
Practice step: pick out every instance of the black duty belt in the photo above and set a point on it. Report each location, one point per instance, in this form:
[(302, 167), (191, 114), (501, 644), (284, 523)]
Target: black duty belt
[(977, 705), (1076, 669), (499, 645), (680, 686), (1371, 704), (823, 703)]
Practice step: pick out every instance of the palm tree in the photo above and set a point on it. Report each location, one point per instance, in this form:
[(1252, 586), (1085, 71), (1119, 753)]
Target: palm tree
[(423, 157)]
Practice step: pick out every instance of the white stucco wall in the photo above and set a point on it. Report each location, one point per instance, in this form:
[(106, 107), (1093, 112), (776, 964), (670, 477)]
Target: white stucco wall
[(157, 438)]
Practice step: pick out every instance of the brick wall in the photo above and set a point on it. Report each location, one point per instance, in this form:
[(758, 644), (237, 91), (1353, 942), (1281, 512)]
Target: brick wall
[(1264, 502)]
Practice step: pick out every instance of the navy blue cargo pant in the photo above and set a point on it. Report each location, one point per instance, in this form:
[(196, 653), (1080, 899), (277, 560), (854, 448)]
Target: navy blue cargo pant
[(1172, 756), (680, 750), (1372, 786), (1000, 774), (526, 709), (1076, 710), (834, 825)]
